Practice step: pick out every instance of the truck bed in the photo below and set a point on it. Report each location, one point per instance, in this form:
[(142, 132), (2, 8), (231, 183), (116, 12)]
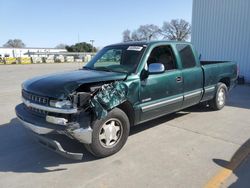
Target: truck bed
[(214, 71)]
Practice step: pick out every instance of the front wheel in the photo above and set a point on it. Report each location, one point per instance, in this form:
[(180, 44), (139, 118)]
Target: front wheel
[(109, 134), (219, 100)]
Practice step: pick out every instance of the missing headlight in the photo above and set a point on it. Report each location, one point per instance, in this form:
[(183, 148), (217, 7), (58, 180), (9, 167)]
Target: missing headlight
[(81, 98)]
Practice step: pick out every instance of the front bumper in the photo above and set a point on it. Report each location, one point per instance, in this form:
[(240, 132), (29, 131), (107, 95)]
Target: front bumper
[(57, 146), (40, 126)]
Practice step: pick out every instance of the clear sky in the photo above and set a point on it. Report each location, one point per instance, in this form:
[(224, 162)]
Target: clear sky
[(46, 23)]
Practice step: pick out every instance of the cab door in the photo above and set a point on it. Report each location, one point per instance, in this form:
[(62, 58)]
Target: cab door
[(192, 75), (161, 93)]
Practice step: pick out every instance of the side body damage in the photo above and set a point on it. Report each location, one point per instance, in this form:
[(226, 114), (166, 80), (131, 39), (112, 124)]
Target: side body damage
[(108, 97)]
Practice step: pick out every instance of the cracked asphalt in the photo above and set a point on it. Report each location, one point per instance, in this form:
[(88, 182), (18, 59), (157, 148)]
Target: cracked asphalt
[(192, 148)]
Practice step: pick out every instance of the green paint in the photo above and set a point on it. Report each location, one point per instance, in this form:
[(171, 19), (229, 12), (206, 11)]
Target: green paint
[(109, 96)]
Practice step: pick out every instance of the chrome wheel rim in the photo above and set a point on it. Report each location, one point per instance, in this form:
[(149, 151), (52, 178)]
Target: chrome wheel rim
[(110, 133), (221, 97)]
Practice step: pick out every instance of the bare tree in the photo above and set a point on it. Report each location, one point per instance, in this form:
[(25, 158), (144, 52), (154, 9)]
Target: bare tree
[(15, 43), (126, 35), (144, 32), (177, 29), (148, 32), (61, 46)]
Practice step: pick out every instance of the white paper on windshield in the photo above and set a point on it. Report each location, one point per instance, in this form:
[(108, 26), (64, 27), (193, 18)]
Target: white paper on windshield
[(135, 48)]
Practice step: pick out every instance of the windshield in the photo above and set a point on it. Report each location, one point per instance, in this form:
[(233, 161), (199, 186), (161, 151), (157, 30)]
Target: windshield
[(123, 58)]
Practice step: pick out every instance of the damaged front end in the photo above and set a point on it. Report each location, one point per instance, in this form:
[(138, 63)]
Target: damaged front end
[(71, 117), (108, 97)]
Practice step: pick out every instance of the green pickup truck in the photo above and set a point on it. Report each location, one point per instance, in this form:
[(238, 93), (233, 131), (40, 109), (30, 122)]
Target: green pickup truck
[(123, 85)]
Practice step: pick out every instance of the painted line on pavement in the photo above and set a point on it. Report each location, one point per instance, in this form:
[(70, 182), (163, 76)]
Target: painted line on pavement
[(241, 154)]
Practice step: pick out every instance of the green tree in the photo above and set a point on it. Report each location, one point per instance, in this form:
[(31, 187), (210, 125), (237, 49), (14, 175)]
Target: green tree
[(81, 47)]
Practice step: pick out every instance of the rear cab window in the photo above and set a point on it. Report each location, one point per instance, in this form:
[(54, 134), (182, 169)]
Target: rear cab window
[(186, 55)]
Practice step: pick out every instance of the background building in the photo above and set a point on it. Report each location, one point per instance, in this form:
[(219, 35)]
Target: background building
[(41, 55), (27, 52), (221, 31)]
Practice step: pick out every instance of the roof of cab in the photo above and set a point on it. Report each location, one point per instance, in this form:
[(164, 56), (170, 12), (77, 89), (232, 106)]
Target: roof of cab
[(142, 43)]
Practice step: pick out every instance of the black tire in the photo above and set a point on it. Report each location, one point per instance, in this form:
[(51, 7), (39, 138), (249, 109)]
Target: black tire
[(217, 103), (98, 147)]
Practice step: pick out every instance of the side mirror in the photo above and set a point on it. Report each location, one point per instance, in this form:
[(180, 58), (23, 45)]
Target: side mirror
[(156, 68)]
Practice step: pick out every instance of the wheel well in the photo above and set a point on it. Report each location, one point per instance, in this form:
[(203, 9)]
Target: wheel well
[(226, 81), (129, 111)]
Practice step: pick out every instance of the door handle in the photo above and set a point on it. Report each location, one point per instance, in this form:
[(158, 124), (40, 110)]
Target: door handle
[(178, 79)]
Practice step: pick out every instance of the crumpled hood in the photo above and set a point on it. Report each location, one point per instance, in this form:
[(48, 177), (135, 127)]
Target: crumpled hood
[(60, 85)]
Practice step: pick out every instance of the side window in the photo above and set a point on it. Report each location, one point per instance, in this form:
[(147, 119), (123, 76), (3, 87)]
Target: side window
[(186, 55), (164, 55)]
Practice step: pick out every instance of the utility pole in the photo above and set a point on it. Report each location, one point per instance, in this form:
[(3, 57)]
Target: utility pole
[(92, 42)]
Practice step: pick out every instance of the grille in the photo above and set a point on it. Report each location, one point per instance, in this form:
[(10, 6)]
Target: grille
[(35, 98), (38, 112), (38, 100)]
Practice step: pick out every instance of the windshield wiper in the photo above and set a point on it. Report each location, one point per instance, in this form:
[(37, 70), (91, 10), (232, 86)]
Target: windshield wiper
[(122, 71), (104, 69), (98, 68), (110, 70), (88, 68)]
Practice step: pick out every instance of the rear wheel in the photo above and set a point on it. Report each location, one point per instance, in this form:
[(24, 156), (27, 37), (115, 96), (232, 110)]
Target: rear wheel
[(109, 134), (219, 100)]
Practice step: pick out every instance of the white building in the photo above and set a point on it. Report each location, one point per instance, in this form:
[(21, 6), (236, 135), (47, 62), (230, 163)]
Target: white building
[(221, 31), (26, 52)]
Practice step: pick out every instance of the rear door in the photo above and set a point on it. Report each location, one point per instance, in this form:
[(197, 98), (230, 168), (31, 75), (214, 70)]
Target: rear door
[(192, 75)]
